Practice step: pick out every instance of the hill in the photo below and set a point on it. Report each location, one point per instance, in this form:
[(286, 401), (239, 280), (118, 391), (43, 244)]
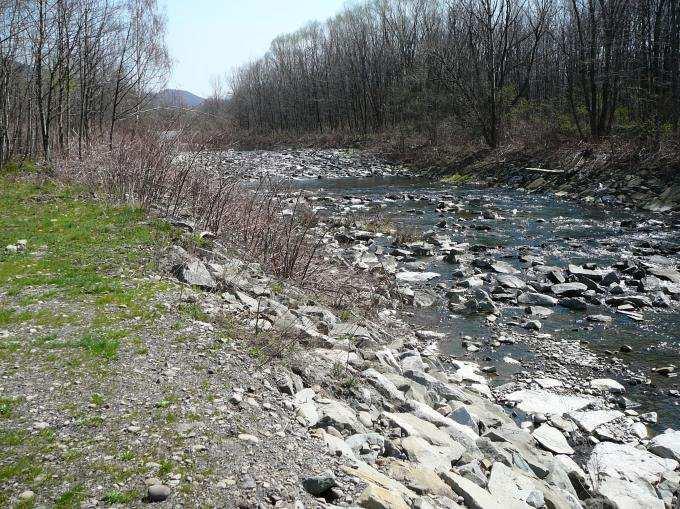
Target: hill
[(178, 98)]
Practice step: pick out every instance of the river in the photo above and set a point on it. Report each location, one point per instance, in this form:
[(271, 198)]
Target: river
[(558, 231)]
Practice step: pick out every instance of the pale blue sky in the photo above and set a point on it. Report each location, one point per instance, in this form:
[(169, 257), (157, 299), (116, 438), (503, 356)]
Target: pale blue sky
[(210, 37)]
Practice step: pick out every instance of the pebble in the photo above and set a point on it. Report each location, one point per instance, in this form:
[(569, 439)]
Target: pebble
[(26, 495), (158, 492)]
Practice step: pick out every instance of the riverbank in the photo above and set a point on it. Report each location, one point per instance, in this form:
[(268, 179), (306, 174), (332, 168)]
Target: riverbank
[(618, 171), (236, 364)]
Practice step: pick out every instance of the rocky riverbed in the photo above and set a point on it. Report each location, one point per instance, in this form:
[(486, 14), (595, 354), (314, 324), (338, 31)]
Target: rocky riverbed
[(523, 353)]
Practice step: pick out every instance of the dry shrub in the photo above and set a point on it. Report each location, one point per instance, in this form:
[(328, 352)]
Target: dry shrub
[(147, 169)]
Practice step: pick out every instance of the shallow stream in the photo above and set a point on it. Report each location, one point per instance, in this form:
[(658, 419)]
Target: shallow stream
[(561, 232)]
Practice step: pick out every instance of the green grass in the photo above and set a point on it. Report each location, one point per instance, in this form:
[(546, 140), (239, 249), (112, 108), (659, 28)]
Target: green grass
[(23, 469), (14, 168), (11, 438), (80, 244), (118, 497), (6, 406), (345, 315), (82, 284), (194, 312), (104, 344), (96, 343), (70, 498), (97, 399), (457, 178), (165, 468)]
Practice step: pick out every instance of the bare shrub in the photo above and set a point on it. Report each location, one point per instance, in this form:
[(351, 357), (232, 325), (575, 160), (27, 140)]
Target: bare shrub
[(261, 219)]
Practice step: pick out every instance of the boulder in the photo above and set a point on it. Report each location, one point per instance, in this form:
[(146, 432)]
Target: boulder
[(512, 282), (420, 479), (195, 273), (319, 484), (501, 267), (536, 299), (445, 390), (377, 497), (594, 274), (506, 483), (307, 415), (339, 415), (536, 401), (666, 445), (476, 497), (413, 426), (416, 277), (630, 495), (438, 458), (568, 289), (622, 461), (479, 301), (383, 385), (338, 447), (665, 273), (589, 420), (382, 488), (552, 439), (607, 385)]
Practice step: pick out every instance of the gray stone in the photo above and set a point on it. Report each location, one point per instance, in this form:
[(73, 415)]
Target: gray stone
[(438, 458), (608, 385), (505, 483), (416, 277), (512, 282), (665, 273), (307, 415), (536, 299), (338, 447), (594, 274), (383, 385), (476, 497), (339, 415), (413, 426), (493, 453), (420, 479), (626, 462), (502, 267), (424, 298), (599, 318), (432, 383), (479, 301), (319, 484), (666, 445), (463, 416), (589, 420), (158, 492), (195, 273), (552, 439), (568, 289), (366, 442), (474, 472), (540, 401), (574, 303), (630, 495)]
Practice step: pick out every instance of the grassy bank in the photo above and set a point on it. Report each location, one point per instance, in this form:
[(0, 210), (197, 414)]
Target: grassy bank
[(73, 303)]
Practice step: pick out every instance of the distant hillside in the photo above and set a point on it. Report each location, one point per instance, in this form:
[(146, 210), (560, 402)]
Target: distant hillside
[(178, 98)]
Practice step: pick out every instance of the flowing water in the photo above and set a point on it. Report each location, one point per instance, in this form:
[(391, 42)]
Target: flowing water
[(561, 232)]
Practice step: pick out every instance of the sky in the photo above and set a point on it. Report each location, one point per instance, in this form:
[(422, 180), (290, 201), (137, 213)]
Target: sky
[(208, 38)]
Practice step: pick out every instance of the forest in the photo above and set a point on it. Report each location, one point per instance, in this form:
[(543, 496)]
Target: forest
[(480, 69), (72, 70)]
